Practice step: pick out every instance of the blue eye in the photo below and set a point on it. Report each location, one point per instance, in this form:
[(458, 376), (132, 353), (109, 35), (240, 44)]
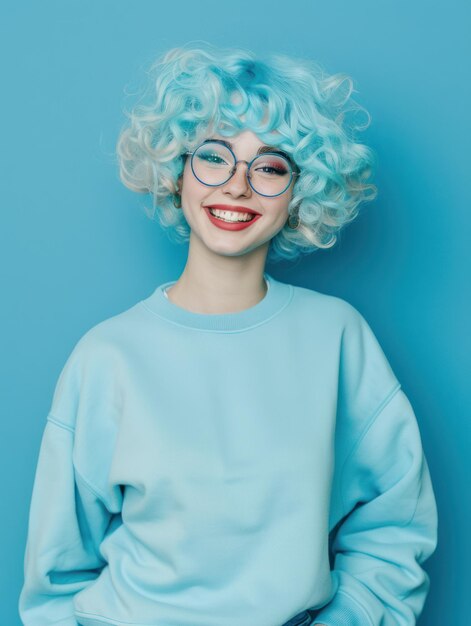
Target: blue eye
[(211, 157)]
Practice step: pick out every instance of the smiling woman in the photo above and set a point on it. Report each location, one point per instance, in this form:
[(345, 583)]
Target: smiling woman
[(234, 450), (293, 105)]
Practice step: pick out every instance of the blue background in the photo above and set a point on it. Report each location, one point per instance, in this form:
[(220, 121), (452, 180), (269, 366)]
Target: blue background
[(77, 247)]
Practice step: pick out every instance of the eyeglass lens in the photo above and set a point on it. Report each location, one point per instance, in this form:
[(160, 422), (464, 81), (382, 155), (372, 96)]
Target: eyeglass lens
[(213, 164)]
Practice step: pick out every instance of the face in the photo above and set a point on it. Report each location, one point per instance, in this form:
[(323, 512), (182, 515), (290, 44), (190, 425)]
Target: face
[(231, 239)]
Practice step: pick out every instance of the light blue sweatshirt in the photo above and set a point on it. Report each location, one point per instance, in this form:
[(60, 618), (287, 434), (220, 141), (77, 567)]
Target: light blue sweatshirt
[(229, 470)]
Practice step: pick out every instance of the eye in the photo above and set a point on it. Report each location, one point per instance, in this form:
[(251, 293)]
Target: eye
[(213, 155), (272, 166), (270, 169), (210, 157)]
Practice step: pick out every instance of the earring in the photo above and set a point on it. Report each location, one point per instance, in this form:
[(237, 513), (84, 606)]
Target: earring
[(177, 200), (293, 224)]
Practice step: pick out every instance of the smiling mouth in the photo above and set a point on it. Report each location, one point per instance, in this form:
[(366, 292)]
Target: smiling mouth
[(232, 217)]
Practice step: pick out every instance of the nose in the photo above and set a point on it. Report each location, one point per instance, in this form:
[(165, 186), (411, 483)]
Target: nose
[(238, 183)]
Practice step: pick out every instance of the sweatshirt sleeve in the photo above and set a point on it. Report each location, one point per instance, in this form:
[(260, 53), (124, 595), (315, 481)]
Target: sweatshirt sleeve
[(67, 522), (388, 527)]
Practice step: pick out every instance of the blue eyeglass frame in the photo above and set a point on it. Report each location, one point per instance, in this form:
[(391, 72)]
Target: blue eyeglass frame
[(249, 164)]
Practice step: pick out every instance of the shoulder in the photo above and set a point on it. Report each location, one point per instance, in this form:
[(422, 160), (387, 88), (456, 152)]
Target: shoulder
[(327, 307), (364, 367), (110, 338), (94, 363)]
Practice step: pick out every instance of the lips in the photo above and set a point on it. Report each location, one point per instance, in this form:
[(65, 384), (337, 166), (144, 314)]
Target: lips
[(229, 207), (231, 226)]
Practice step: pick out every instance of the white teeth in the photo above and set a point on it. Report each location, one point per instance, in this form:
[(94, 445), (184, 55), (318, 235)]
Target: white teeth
[(232, 216)]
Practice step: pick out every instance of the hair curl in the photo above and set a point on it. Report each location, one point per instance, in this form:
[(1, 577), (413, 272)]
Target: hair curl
[(192, 92)]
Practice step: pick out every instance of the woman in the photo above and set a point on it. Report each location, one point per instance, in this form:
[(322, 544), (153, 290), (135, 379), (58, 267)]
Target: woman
[(234, 450)]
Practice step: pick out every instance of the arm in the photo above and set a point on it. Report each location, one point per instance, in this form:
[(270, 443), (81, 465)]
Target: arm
[(389, 525), (67, 522)]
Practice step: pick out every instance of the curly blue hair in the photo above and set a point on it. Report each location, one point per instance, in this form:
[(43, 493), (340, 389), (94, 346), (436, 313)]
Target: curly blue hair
[(198, 90)]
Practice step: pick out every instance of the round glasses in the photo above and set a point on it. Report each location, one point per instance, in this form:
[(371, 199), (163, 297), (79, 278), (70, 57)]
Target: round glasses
[(269, 174)]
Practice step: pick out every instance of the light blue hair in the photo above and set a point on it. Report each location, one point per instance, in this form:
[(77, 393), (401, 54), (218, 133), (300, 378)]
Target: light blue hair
[(190, 94)]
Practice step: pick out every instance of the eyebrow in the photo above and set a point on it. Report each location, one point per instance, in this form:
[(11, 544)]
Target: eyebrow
[(261, 150)]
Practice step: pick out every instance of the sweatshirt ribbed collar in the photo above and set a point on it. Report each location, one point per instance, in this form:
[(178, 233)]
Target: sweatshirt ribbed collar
[(277, 298)]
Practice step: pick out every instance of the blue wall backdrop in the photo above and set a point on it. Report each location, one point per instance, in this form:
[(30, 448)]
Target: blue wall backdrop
[(77, 247)]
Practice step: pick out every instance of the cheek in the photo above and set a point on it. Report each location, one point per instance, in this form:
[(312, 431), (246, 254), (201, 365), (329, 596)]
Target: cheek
[(192, 190), (281, 208), (190, 186)]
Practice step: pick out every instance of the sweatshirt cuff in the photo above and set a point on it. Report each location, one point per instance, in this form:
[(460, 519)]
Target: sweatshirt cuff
[(343, 610)]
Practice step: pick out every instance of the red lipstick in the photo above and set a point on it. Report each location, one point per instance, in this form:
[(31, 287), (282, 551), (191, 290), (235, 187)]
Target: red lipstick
[(230, 207), (220, 223)]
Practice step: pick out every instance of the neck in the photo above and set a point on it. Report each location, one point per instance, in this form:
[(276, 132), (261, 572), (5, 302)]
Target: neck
[(220, 284)]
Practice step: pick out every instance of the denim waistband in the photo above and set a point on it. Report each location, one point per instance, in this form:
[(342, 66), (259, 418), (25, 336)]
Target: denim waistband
[(305, 618), (301, 619)]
